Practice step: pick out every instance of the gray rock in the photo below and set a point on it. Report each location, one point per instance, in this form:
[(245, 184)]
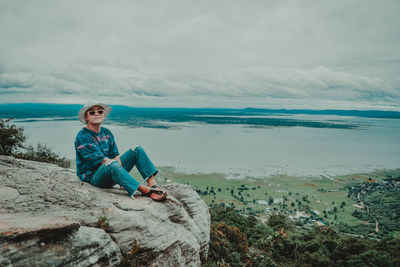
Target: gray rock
[(143, 231), (53, 241)]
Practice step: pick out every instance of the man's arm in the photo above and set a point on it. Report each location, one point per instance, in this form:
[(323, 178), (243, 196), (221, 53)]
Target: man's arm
[(89, 152), (104, 160), (113, 154)]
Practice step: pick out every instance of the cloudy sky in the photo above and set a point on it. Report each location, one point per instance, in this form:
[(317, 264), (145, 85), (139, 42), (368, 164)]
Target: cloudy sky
[(274, 54)]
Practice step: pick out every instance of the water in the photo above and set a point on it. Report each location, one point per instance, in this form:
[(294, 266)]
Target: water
[(239, 151)]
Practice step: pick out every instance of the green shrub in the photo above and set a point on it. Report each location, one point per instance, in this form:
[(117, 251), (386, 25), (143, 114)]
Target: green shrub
[(227, 243), (11, 137), (278, 221), (43, 153), (103, 223), (370, 258)]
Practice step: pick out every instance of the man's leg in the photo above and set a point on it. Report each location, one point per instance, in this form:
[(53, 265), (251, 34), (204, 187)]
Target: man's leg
[(102, 178), (151, 181), (108, 175), (138, 157)]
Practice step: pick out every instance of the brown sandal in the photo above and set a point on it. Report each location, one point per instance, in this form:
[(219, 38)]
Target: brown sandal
[(158, 187), (155, 191)]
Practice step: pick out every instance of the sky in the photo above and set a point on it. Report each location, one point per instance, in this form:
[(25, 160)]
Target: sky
[(309, 54)]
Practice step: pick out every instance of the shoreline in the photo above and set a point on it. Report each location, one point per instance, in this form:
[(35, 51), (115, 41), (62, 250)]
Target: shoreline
[(229, 176), (219, 175)]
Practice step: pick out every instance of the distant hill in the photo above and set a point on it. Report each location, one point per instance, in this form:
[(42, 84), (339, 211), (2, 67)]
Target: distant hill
[(154, 117), (45, 110), (24, 110), (38, 110), (337, 112)]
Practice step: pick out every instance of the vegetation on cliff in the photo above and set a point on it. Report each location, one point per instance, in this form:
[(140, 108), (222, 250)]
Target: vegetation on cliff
[(238, 240), (12, 143)]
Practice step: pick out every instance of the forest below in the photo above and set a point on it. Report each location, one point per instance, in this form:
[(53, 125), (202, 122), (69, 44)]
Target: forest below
[(245, 240)]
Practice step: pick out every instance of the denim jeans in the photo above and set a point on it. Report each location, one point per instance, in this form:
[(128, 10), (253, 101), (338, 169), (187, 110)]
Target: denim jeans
[(114, 173)]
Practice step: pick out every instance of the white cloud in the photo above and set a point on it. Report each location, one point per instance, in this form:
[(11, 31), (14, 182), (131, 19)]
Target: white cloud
[(190, 53)]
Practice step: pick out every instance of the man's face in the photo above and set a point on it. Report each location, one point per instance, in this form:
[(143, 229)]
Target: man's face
[(93, 115)]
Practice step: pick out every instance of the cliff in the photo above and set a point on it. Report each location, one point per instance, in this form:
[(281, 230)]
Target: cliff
[(50, 218)]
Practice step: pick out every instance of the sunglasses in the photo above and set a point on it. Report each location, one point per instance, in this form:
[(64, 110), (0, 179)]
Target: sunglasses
[(92, 112)]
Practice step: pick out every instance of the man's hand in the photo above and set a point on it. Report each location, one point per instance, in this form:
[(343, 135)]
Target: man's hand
[(118, 159), (108, 161), (104, 160)]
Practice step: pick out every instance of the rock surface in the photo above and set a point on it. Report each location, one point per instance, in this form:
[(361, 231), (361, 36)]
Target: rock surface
[(50, 218)]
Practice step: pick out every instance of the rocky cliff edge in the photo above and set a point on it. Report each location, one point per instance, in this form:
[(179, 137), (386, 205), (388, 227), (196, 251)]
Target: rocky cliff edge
[(50, 218)]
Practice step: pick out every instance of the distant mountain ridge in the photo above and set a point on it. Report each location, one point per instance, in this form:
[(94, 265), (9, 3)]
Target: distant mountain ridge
[(156, 117), (19, 110), (337, 112)]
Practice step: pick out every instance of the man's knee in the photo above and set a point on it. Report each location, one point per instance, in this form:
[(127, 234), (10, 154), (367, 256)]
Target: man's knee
[(137, 148), (115, 168), (112, 163), (108, 162)]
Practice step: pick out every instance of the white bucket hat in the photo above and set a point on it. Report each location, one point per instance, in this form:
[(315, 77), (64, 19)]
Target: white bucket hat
[(82, 112)]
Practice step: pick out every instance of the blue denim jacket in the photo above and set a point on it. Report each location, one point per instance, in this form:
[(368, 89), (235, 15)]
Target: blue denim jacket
[(91, 148)]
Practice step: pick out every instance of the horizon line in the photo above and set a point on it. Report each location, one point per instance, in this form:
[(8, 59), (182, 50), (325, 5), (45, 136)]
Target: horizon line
[(178, 107)]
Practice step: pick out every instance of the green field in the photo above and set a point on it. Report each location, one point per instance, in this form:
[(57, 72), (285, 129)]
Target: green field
[(251, 196)]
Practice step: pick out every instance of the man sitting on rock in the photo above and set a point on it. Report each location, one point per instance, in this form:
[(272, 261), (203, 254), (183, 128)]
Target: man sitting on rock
[(98, 161)]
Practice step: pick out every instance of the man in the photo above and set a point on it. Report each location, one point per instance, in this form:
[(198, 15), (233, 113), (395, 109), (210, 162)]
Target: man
[(98, 161)]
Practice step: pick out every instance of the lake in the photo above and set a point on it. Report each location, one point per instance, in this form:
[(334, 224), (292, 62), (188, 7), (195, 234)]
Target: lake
[(239, 150)]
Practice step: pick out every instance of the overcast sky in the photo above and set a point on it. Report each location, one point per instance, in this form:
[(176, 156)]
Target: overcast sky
[(272, 54)]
